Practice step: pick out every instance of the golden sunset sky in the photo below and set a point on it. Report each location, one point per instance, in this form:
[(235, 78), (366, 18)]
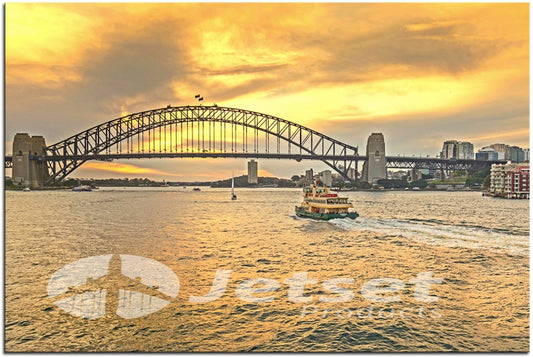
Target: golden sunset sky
[(419, 73)]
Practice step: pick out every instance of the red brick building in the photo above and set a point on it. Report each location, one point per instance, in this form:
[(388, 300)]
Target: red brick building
[(517, 182)]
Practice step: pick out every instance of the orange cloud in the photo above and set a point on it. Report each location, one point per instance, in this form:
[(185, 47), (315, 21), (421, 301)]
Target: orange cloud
[(464, 66)]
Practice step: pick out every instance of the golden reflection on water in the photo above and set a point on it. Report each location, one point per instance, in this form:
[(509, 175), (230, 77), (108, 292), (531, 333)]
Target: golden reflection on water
[(482, 306)]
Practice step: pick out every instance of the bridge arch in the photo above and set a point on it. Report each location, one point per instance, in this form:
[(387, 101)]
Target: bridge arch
[(106, 140)]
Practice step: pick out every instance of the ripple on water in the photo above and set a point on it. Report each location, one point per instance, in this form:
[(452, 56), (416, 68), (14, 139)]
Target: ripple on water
[(483, 262)]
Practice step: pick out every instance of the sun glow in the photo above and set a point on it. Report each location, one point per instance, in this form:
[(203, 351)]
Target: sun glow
[(326, 66)]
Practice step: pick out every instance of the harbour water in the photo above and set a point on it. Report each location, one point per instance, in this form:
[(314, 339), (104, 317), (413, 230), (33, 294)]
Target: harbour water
[(476, 247)]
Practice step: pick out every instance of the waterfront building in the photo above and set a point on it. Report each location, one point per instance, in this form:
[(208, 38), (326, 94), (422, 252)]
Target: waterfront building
[(509, 180), (497, 179), (453, 149), (252, 172), (487, 154), (517, 182)]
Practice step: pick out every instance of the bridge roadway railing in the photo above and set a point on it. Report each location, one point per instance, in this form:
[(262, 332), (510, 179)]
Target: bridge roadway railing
[(406, 162), (395, 162)]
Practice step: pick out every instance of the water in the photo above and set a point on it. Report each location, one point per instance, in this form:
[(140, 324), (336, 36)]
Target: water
[(477, 245)]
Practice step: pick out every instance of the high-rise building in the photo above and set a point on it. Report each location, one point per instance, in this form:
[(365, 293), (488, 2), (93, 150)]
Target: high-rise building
[(309, 175), (453, 149), (325, 177), (465, 150), (449, 149), (252, 172), (526, 155), (516, 154), (487, 154), (352, 174), (504, 153)]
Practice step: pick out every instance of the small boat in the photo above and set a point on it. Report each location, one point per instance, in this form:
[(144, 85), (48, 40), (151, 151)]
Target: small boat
[(196, 189), (82, 188), (26, 189), (233, 195), (320, 203)]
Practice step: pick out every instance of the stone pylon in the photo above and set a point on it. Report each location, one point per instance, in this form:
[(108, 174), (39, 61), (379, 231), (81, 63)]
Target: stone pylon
[(375, 167), (28, 163)]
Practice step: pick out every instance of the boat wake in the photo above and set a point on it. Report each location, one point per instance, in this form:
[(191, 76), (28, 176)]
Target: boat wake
[(443, 235)]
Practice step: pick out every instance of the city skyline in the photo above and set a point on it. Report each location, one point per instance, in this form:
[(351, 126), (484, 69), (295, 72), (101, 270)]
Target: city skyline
[(419, 73)]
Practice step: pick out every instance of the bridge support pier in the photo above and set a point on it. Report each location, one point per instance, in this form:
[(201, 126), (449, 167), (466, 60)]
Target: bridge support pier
[(374, 167), (416, 174), (29, 168)]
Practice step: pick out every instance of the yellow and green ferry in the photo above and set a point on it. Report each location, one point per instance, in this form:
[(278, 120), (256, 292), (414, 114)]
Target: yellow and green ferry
[(320, 203)]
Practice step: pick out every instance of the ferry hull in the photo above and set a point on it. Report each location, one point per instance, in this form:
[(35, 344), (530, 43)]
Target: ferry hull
[(324, 216)]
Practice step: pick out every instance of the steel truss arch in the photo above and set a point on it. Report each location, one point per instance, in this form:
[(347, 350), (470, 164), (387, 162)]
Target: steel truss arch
[(65, 156)]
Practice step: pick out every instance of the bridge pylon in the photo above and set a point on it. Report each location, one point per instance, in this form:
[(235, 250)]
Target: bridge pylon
[(29, 168), (375, 167)]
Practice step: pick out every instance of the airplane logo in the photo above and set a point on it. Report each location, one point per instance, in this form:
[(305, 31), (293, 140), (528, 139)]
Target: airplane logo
[(126, 286)]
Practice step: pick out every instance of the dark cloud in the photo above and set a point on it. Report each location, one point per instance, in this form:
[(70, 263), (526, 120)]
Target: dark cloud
[(142, 64), (367, 56), (267, 68), (425, 133)]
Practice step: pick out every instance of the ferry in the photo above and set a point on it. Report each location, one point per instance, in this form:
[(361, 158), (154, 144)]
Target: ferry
[(82, 188), (320, 203)]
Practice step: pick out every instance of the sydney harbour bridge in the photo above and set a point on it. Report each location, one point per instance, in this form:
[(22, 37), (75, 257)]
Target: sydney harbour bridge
[(202, 132)]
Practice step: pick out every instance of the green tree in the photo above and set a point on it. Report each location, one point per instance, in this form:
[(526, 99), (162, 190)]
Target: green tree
[(393, 183), (363, 185), (339, 184), (478, 178), (419, 183), (486, 182)]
